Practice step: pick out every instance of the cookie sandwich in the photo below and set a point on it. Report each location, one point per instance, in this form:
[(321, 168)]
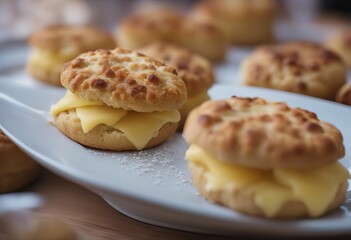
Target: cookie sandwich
[(195, 71), (53, 46), (265, 158), (119, 100), (300, 67)]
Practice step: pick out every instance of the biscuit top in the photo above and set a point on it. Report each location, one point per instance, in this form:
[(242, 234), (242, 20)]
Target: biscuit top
[(81, 39), (195, 70), (157, 20), (344, 94), (300, 56), (124, 79), (236, 8), (301, 67), (255, 133)]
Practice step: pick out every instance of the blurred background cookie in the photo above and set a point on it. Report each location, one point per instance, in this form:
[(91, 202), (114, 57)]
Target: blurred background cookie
[(300, 67), (265, 158), (195, 71), (17, 170), (119, 100), (344, 94), (144, 28), (340, 43), (56, 45), (243, 22)]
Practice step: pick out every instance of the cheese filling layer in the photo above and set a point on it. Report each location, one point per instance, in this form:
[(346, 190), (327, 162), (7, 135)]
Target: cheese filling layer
[(316, 188), (50, 60), (138, 127)]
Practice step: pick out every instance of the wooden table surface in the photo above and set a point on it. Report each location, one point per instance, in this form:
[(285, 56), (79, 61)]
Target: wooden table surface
[(92, 218)]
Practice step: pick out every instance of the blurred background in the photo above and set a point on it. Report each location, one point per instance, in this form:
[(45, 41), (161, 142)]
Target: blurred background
[(19, 18)]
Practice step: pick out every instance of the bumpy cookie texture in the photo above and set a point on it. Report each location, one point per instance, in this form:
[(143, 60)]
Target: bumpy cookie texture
[(82, 39), (196, 71), (145, 28), (300, 67), (16, 168), (255, 133), (344, 94), (125, 79), (243, 22), (341, 44), (105, 137), (242, 199)]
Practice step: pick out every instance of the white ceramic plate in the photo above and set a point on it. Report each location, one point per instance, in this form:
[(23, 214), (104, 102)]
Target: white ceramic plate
[(154, 186)]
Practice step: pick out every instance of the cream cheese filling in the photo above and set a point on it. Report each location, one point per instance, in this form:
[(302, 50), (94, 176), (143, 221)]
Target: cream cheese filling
[(138, 127), (316, 188)]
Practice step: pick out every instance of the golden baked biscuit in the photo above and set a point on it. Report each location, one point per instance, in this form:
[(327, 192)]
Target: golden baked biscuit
[(243, 22), (265, 158), (56, 45), (341, 44), (195, 71), (344, 94), (145, 28), (119, 100), (300, 67), (17, 170)]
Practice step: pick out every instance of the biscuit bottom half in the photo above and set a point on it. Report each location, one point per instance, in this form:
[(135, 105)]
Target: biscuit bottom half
[(277, 193), (45, 65), (97, 125)]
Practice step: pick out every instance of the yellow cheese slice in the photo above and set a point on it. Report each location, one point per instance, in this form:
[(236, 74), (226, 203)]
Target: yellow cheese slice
[(316, 188), (70, 101), (49, 60), (223, 173), (91, 116), (138, 127), (141, 127), (310, 185)]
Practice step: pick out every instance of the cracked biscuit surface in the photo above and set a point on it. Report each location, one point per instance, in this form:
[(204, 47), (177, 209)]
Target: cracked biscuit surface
[(300, 67), (252, 132), (125, 79)]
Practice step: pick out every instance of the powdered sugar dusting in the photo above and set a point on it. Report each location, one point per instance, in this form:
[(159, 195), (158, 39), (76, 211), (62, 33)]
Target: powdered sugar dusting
[(162, 165)]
